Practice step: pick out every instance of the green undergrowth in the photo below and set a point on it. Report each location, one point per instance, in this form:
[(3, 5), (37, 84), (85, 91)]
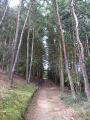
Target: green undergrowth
[(13, 102), (81, 106)]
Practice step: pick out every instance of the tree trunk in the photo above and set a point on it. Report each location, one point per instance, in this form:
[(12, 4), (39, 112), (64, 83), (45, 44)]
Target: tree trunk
[(3, 60), (31, 58), (61, 68), (19, 46), (10, 49), (3, 64), (87, 86), (65, 56), (27, 53), (15, 44), (4, 13), (88, 52)]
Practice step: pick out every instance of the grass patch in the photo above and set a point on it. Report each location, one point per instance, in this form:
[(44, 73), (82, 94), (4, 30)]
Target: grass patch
[(14, 101), (80, 106)]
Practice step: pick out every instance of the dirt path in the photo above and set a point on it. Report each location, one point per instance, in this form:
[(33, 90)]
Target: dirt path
[(46, 105)]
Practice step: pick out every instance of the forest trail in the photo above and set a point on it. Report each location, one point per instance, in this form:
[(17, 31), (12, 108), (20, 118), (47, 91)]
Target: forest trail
[(46, 105)]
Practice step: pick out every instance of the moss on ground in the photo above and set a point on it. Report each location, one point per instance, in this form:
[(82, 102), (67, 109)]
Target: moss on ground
[(14, 101)]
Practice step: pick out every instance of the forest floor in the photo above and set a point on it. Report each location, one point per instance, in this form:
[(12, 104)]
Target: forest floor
[(14, 101), (46, 105)]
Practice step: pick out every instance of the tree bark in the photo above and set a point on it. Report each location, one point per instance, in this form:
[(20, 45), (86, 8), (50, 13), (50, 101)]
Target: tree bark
[(61, 68), (88, 52), (3, 64), (4, 13), (15, 43), (87, 86), (19, 46), (31, 58), (27, 53), (65, 56)]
